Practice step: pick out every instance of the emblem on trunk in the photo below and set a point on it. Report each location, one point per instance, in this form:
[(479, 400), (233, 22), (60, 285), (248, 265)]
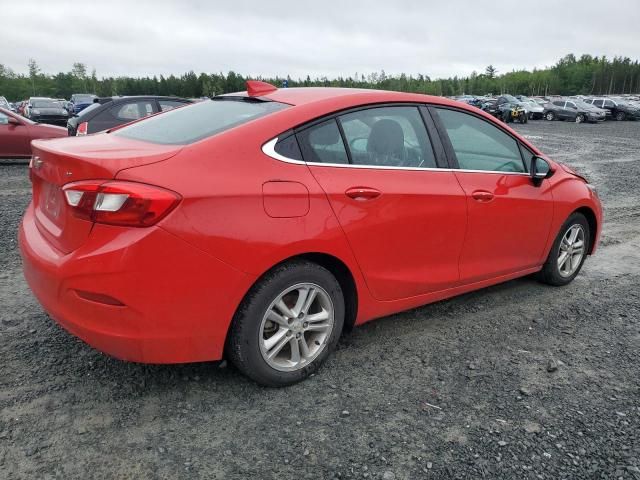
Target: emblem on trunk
[(37, 162)]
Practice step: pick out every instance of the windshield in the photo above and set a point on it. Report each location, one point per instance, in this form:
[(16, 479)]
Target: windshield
[(45, 104), (194, 122), (511, 98)]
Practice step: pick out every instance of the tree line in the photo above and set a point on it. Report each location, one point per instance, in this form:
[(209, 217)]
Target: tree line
[(588, 75)]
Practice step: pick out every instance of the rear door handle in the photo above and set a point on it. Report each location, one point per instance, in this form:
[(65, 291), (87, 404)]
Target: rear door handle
[(482, 196), (363, 193)]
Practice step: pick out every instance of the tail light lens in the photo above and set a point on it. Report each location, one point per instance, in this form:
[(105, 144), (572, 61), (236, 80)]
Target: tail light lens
[(82, 128), (120, 203)]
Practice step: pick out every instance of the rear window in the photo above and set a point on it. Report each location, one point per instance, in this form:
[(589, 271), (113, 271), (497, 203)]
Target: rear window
[(195, 122)]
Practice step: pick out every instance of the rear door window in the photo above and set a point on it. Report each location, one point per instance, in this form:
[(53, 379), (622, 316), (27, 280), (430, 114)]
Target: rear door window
[(322, 143), (388, 136), (133, 111)]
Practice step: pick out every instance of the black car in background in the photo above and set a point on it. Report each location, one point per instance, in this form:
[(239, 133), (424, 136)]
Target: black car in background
[(617, 108), (46, 110), (574, 110), (109, 112)]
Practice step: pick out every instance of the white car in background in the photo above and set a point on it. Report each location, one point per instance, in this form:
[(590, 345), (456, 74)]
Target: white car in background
[(534, 109)]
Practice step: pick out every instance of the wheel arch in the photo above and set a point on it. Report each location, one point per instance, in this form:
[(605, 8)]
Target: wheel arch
[(593, 225), (338, 269)]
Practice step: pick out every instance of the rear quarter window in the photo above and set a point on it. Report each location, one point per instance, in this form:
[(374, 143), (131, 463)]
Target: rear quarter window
[(195, 122)]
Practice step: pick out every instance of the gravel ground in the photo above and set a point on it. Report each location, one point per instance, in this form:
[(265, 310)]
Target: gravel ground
[(519, 381)]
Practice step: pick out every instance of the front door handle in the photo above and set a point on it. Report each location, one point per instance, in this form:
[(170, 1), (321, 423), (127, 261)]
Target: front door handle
[(363, 193), (482, 196)]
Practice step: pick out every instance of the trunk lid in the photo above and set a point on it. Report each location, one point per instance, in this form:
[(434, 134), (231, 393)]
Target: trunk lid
[(61, 161)]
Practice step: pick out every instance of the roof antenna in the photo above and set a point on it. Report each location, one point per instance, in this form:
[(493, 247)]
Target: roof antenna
[(256, 88)]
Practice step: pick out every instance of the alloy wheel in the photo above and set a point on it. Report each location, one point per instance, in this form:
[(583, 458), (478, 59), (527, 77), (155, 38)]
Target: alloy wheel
[(296, 327), (571, 251)]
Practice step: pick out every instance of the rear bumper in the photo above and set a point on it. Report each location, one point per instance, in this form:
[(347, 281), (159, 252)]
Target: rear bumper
[(175, 301)]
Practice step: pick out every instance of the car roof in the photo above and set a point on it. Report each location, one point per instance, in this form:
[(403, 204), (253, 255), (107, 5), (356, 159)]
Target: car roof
[(306, 96)]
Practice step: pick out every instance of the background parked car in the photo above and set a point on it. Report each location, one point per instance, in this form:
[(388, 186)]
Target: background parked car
[(80, 101), (46, 110), (573, 110), (16, 133), (4, 103), (528, 108), (617, 108), (533, 108), (110, 112)]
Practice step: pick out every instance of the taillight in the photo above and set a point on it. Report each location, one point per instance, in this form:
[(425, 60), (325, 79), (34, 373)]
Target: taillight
[(82, 128), (120, 203)]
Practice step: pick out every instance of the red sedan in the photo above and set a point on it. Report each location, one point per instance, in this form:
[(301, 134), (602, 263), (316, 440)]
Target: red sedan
[(260, 225), (16, 133)]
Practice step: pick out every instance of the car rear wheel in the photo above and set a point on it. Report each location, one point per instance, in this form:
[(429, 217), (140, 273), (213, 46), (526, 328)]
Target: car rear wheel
[(550, 116), (580, 118), (287, 324), (568, 252), (620, 116)]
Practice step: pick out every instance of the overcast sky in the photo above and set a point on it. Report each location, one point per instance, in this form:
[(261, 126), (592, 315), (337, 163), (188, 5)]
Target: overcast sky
[(324, 37)]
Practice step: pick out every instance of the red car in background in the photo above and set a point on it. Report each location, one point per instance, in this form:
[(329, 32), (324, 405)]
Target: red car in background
[(259, 225), (16, 133)]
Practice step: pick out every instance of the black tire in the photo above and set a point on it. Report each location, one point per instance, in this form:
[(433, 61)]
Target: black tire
[(580, 118), (620, 116), (243, 345), (550, 272), (550, 116)]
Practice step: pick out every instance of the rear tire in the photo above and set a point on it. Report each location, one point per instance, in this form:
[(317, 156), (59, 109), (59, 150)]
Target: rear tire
[(568, 252), (268, 330), (550, 116)]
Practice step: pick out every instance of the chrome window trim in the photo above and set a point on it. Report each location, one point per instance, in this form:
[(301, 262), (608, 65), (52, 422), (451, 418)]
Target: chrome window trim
[(269, 149)]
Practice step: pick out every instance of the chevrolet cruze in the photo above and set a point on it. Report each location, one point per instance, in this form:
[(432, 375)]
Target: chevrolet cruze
[(259, 226)]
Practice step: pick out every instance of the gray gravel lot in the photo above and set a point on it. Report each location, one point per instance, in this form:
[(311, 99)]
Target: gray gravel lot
[(519, 381)]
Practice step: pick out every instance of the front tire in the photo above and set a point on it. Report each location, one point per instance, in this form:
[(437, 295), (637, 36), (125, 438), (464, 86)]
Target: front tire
[(568, 252), (620, 116), (287, 324), (580, 118), (550, 116)]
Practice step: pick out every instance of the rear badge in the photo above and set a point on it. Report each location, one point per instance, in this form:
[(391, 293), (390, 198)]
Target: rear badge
[(37, 162)]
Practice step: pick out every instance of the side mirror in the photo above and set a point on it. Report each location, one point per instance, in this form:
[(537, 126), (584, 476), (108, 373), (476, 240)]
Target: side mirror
[(13, 121), (540, 169)]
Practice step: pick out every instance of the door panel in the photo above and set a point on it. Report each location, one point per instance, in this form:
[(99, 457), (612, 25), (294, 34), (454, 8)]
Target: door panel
[(407, 239), (508, 231), (15, 140)]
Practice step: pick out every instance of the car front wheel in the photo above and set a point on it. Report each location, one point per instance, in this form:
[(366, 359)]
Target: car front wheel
[(287, 325), (550, 116), (568, 252)]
